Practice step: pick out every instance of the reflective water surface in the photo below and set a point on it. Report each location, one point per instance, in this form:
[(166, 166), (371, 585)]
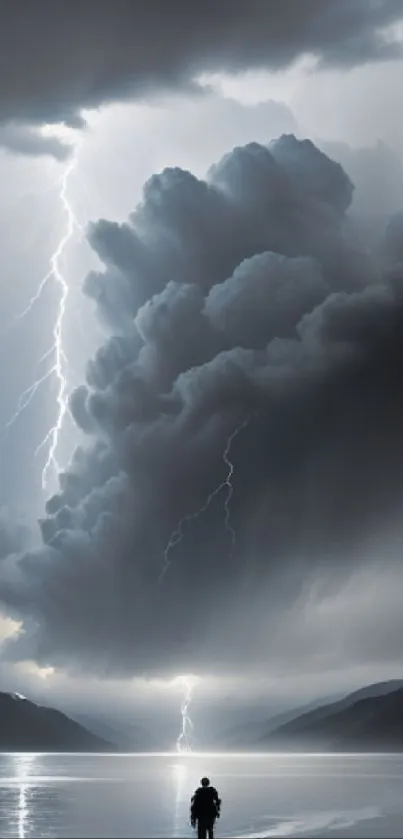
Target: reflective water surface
[(66, 795)]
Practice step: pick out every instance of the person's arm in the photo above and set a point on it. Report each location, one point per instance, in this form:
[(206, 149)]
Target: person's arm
[(217, 802), (193, 811), (195, 804)]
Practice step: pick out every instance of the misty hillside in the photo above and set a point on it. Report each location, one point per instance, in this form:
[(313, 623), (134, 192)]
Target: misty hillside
[(253, 734), (26, 727), (246, 735), (317, 714), (125, 736), (370, 723)]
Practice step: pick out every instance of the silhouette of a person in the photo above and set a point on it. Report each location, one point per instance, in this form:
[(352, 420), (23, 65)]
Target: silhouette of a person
[(205, 809)]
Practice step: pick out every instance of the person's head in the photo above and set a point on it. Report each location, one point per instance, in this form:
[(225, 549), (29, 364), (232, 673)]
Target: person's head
[(205, 782)]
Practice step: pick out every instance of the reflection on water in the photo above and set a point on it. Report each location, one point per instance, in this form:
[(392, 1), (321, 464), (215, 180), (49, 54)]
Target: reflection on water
[(179, 774), (22, 811), (23, 771), (124, 796), (30, 802)]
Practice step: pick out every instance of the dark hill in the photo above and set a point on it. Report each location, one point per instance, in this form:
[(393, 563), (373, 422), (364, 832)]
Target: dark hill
[(374, 723), (27, 727), (254, 735)]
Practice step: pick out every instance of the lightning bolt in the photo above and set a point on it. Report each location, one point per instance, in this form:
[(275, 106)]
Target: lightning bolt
[(56, 350), (183, 743), (177, 534)]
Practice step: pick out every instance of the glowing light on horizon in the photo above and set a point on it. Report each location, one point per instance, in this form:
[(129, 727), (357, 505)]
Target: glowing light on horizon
[(184, 741)]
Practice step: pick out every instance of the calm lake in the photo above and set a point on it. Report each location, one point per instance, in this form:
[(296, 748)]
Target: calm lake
[(66, 795)]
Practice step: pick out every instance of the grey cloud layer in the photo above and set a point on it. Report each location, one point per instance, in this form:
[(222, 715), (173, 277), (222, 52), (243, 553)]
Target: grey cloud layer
[(14, 533), (242, 297), (25, 140), (60, 57)]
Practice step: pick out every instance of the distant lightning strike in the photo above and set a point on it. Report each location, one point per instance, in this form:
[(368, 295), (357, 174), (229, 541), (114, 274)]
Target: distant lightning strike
[(183, 743), (177, 534), (57, 370)]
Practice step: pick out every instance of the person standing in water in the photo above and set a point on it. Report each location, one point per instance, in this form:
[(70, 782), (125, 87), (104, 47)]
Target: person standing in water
[(205, 809)]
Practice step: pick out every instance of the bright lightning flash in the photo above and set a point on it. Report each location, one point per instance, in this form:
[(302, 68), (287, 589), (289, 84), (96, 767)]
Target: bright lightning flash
[(227, 484), (183, 743), (58, 368)]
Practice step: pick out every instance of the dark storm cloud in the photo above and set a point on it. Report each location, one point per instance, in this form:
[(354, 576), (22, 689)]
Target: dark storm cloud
[(60, 57), (265, 297), (241, 302)]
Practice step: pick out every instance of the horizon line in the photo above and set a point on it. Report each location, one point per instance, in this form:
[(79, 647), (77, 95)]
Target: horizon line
[(186, 755)]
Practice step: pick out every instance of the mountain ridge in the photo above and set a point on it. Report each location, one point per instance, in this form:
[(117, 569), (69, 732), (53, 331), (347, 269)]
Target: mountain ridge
[(255, 735), (365, 723), (26, 726)]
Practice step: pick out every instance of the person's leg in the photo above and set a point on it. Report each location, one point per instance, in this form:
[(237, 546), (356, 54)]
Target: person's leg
[(210, 831), (201, 830)]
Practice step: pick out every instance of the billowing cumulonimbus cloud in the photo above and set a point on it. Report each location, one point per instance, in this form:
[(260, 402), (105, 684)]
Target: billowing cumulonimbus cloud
[(237, 303), (59, 58)]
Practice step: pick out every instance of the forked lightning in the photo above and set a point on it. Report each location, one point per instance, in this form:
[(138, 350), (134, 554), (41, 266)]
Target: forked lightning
[(58, 368), (177, 534)]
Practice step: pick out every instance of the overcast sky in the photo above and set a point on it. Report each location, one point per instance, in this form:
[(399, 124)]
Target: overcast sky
[(241, 309)]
